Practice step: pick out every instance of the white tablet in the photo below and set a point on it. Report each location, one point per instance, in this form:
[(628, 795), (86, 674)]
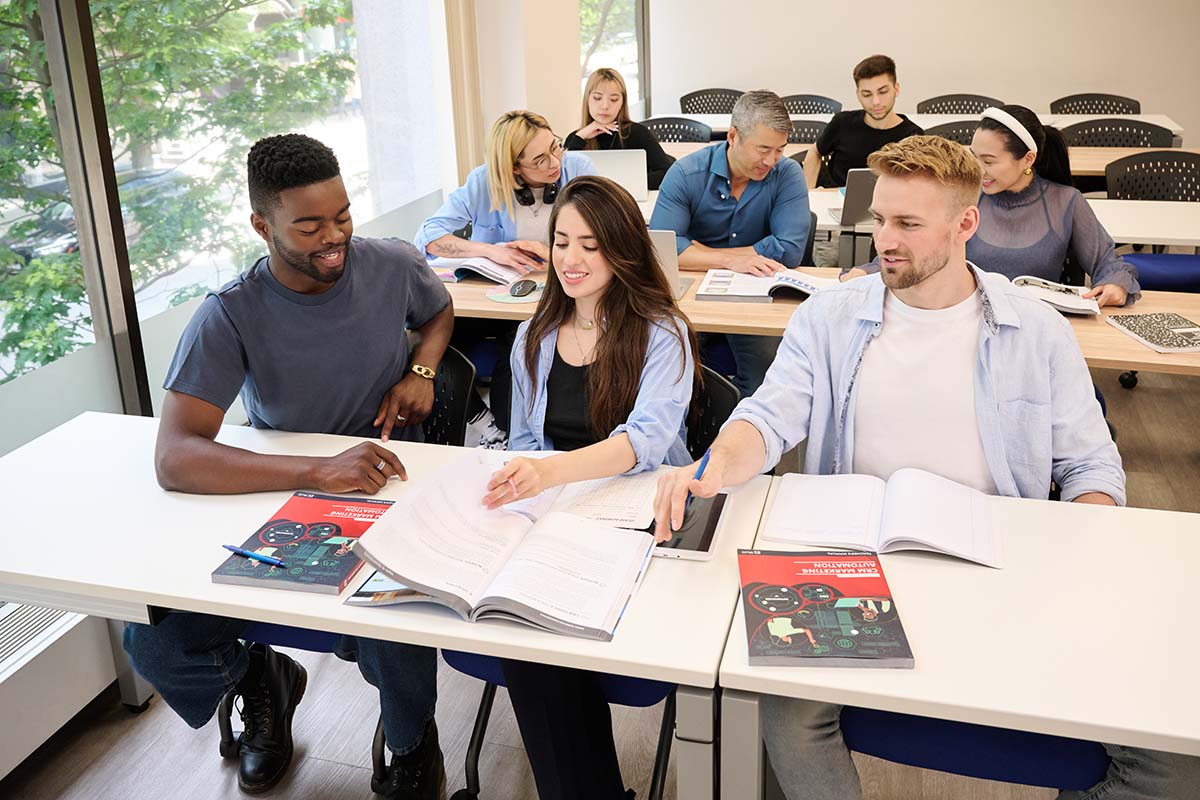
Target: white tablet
[(698, 534)]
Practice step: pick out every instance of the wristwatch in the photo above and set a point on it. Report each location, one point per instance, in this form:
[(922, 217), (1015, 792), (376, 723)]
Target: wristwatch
[(424, 372)]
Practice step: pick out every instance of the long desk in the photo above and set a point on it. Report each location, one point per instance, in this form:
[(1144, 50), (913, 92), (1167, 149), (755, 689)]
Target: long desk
[(110, 542), (1102, 345), (1078, 635)]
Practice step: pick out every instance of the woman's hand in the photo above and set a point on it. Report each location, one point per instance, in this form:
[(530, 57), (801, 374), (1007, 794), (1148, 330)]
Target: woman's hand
[(851, 274), (1108, 294), (531, 248), (513, 257), (516, 480), (595, 129)]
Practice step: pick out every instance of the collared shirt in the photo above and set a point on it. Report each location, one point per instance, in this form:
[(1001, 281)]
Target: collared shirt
[(472, 203), (657, 424), (696, 201), (1034, 402)]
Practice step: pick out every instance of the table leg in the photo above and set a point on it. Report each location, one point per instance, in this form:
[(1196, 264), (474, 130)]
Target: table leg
[(695, 724), (862, 249), (741, 746), (135, 692), (846, 249)]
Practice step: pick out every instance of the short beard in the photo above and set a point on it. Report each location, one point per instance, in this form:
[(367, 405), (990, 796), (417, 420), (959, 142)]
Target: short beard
[(302, 263), (917, 272)]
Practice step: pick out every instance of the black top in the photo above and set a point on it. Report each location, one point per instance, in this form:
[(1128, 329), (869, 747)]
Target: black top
[(638, 137), (848, 140), (567, 406)]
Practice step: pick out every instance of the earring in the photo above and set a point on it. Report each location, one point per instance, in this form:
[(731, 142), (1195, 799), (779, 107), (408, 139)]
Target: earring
[(1029, 170)]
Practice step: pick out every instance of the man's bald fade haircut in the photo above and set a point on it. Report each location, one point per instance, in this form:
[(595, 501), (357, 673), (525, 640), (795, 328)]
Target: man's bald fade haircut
[(286, 162), (948, 163)]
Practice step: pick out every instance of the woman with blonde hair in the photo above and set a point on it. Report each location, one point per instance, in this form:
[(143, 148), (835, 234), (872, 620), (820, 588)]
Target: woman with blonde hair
[(606, 125)]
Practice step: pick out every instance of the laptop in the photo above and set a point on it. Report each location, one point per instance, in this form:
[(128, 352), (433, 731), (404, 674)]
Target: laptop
[(856, 205), (668, 257), (626, 167)]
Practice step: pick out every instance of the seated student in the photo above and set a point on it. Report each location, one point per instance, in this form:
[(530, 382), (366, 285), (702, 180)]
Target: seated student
[(851, 136), (1003, 403), (606, 125), (740, 205), (506, 204), (1031, 217), (604, 370), (314, 337)]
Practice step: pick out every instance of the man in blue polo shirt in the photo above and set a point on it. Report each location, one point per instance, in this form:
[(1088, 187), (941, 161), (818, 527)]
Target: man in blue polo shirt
[(740, 205)]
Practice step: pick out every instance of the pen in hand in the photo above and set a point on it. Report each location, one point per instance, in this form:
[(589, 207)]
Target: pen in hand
[(699, 474)]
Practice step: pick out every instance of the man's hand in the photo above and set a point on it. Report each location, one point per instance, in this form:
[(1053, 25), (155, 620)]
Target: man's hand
[(755, 265), (513, 257), (1108, 294), (673, 487), (851, 274), (516, 480), (595, 129), (407, 403), (1095, 499), (365, 467)]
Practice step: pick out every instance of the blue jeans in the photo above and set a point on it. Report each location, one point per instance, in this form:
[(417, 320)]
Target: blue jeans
[(752, 357), (192, 660), (810, 759)]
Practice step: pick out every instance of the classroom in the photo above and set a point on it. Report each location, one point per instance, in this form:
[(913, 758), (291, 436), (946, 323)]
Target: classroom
[(599, 399)]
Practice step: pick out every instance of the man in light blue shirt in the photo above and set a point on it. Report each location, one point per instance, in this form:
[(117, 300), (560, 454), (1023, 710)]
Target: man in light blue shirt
[(740, 205), (1008, 411)]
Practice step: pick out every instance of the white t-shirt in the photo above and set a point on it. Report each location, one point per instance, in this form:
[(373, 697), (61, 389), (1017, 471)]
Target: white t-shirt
[(915, 404), (533, 222)]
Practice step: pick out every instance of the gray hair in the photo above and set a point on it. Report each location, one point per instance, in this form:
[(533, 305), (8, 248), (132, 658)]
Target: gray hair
[(760, 107)]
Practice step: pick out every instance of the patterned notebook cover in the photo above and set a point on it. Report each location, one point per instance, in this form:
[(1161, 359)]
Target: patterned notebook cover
[(1163, 333)]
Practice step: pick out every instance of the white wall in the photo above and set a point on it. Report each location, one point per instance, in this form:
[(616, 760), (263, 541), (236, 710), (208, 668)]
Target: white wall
[(1023, 51)]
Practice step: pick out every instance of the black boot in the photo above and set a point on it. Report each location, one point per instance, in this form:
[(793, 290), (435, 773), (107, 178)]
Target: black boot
[(419, 775), (270, 692)]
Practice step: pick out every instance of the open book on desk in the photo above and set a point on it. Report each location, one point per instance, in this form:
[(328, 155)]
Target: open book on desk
[(724, 284), (529, 562), (912, 510), (453, 270), (1059, 296)]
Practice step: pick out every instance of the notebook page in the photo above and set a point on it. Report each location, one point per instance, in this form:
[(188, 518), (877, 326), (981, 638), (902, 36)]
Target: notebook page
[(826, 510), (926, 511), (624, 501)]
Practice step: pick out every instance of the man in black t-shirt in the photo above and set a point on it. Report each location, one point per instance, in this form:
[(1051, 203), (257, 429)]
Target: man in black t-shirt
[(851, 136)]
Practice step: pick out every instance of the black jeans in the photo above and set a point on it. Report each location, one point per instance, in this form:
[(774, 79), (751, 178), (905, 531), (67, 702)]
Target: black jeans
[(468, 333)]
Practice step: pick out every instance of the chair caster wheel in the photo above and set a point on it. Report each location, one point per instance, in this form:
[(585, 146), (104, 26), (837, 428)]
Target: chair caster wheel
[(1128, 379), (229, 749), (132, 709)]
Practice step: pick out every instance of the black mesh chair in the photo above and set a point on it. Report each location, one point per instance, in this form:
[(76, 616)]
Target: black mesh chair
[(1095, 104), (805, 131), (710, 101), (811, 104), (678, 129), (960, 132), (447, 422), (1160, 175), (957, 104), (1117, 132), (714, 405)]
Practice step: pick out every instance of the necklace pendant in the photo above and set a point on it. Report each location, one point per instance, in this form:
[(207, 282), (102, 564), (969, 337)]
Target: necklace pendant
[(587, 324)]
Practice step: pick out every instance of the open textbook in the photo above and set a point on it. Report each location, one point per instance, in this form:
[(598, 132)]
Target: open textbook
[(912, 510), (452, 270), (1060, 296), (533, 561), (724, 284)]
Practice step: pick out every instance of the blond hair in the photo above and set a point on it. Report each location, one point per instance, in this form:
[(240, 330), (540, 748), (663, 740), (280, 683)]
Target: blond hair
[(948, 163), (623, 119), (509, 137)]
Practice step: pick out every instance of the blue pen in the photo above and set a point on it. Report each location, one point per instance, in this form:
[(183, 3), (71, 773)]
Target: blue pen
[(699, 474), (274, 562)]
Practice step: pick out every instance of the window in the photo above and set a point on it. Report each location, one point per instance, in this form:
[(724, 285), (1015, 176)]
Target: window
[(610, 35)]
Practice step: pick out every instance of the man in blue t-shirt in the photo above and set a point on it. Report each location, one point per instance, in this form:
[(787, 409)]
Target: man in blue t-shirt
[(314, 336)]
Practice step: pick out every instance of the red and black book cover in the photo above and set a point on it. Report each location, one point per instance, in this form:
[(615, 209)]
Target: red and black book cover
[(315, 536), (820, 609)]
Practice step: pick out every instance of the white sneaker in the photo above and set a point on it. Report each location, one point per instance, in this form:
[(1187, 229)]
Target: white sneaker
[(483, 432)]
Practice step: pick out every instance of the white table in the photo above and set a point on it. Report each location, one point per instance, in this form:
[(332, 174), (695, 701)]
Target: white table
[(1149, 221), (1161, 120), (88, 529), (1083, 634)]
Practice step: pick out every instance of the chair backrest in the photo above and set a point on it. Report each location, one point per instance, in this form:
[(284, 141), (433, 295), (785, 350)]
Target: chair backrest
[(805, 131), (678, 129), (811, 104), (957, 104), (960, 132), (1158, 175), (1094, 103), (447, 422), (709, 101), (715, 403), (807, 259), (1117, 132)]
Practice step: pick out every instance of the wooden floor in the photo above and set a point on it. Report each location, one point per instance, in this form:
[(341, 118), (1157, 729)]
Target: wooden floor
[(108, 753)]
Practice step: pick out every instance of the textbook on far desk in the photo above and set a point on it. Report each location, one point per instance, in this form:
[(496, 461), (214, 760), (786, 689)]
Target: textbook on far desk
[(724, 284), (912, 510)]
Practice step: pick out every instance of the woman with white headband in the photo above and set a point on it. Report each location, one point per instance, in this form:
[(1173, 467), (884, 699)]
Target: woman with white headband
[(1030, 216)]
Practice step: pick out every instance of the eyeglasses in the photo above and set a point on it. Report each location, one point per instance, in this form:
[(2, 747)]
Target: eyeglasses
[(543, 161)]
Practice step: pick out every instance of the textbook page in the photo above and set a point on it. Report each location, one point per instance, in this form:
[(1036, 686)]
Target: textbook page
[(480, 265), (923, 511), (624, 501), (441, 540), (827, 510)]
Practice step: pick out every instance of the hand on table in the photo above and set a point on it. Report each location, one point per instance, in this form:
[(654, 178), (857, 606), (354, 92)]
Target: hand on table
[(1108, 294), (755, 265), (407, 403), (852, 273), (671, 499), (514, 257), (516, 480), (365, 467)]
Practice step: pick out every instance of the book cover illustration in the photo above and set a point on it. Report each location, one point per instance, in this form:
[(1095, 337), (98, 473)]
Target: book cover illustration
[(315, 535), (820, 608)]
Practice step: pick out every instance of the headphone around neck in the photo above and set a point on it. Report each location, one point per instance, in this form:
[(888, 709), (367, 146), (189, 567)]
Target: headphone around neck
[(525, 194)]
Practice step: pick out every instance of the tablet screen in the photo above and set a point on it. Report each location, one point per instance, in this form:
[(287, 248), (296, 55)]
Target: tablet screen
[(699, 525)]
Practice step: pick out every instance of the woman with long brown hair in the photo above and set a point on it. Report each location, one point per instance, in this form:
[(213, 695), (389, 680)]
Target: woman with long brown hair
[(604, 370)]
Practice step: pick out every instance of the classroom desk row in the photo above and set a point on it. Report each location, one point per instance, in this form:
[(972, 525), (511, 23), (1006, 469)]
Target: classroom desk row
[(1046, 664), (1103, 345)]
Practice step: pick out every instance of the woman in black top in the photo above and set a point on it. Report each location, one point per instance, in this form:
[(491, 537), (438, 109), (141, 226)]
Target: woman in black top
[(606, 125)]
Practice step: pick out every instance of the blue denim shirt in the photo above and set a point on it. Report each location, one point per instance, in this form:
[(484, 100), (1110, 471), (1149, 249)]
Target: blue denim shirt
[(1037, 411), (694, 200), (472, 203), (656, 425)]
